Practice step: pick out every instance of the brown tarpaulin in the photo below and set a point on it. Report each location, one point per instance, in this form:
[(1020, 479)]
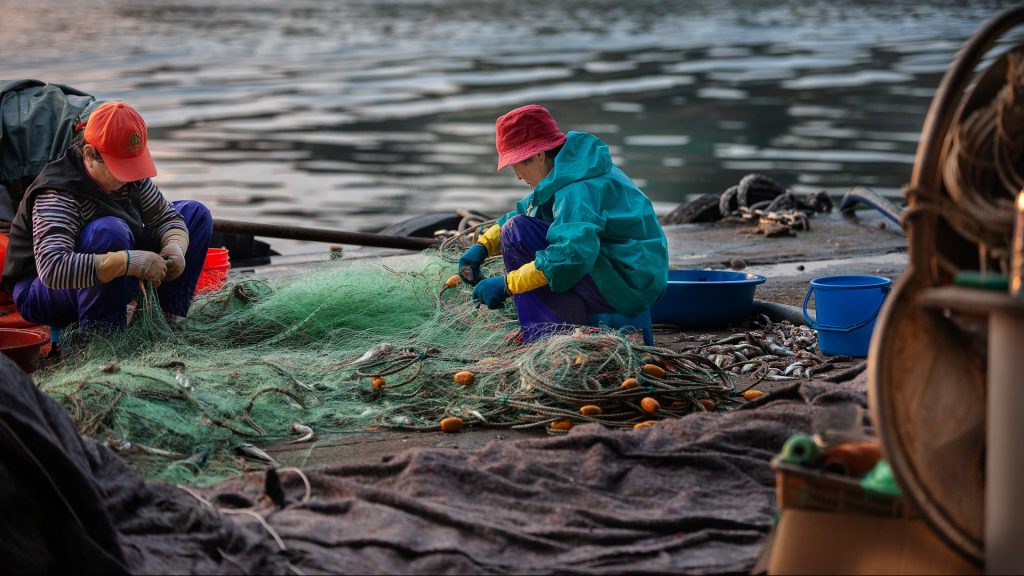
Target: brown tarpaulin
[(689, 495)]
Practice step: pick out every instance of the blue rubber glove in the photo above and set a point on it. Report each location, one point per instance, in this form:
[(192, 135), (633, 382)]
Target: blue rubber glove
[(491, 291), (469, 264)]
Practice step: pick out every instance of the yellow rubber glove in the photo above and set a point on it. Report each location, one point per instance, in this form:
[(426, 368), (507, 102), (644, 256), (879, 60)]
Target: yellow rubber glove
[(491, 239), (526, 278)]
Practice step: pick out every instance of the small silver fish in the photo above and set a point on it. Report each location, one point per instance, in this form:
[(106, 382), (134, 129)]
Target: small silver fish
[(306, 431), (378, 350), (128, 447), (197, 460), (474, 413), (792, 368), (779, 350), (183, 379), (250, 451)]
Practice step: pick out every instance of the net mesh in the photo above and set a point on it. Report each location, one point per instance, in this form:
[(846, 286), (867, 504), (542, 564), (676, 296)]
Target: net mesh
[(352, 346)]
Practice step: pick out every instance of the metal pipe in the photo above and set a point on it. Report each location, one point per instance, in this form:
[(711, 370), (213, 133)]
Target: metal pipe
[(1004, 503), (322, 235)]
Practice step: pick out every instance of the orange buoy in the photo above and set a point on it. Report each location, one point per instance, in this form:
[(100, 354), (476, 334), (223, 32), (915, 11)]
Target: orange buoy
[(707, 404), (377, 382), (752, 394), (649, 405), (644, 424), (561, 425), (654, 370), (591, 410), (629, 383), (464, 377), (451, 424)]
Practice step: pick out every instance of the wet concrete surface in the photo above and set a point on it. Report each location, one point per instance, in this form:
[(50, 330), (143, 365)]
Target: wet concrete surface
[(835, 245)]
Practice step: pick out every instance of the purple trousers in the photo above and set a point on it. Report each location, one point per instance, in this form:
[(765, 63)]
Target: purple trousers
[(543, 311), (104, 306)]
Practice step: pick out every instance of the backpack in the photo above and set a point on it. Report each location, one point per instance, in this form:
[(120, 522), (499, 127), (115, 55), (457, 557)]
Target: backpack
[(37, 123)]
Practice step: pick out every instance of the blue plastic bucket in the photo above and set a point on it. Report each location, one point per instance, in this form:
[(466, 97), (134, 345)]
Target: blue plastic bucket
[(845, 311)]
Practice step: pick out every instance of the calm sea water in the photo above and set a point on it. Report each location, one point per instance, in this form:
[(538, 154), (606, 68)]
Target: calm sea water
[(356, 114)]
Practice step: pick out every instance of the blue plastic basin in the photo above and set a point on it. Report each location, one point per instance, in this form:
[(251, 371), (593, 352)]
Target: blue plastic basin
[(700, 298)]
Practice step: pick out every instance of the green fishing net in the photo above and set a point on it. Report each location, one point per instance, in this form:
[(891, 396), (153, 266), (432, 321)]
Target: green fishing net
[(351, 346)]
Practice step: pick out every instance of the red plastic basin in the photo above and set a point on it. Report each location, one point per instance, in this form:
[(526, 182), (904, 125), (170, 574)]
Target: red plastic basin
[(10, 318), (22, 346)]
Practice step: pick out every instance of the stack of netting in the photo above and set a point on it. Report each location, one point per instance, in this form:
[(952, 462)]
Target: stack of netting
[(351, 347)]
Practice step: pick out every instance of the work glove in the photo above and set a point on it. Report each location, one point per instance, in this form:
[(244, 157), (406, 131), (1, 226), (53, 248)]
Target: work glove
[(491, 291), (469, 264), (139, 263), (174, 258), (146, 265)]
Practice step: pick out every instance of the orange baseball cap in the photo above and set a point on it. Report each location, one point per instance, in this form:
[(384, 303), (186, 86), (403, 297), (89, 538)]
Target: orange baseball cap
[(119, 134)]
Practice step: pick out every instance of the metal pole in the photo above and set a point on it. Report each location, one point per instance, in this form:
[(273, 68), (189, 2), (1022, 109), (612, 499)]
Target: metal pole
[(1004, 502), (322, 235)]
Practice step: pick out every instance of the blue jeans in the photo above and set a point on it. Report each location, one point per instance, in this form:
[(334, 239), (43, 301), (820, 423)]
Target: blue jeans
[(542, 311), (104, 306)]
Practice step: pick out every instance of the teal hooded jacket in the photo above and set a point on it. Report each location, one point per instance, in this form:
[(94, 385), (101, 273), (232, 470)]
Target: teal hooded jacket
[(601, 224)]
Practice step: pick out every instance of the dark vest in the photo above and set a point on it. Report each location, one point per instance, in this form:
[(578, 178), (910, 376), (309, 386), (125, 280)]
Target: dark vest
[(66, 174)]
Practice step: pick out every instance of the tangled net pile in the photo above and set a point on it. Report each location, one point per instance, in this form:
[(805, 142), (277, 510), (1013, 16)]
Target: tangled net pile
[(260, 356)]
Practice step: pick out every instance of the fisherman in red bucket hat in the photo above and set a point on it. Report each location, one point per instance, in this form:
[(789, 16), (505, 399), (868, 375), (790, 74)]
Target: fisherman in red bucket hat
[(585, 241), (93, 224)]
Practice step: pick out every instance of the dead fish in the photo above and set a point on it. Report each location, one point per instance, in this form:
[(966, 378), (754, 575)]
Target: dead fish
[(792, 368), (378, 350), (474, 413), (128, 447), (250, 451), (197, 460), (823, 367), (778, 350), (306, 431), (183, 380), (731, 339)]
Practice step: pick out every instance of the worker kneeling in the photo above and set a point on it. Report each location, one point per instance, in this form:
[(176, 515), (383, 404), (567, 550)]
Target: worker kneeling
[(585, 241), (93, 224)]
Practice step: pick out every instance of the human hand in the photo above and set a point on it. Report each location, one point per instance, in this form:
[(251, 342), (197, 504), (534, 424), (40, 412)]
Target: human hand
[(469, 264), (146, 265), (491, 291), (174, 258)]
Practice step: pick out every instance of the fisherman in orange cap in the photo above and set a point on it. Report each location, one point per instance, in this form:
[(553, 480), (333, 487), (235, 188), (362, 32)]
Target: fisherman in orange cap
[(93, 224)]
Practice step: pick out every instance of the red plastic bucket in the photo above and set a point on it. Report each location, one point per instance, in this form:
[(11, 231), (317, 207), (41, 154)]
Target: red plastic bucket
[(216, 257), (212, 278), (23, 346)]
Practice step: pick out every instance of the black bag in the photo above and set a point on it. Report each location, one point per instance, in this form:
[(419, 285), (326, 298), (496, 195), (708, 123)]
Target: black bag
[(37, 122)]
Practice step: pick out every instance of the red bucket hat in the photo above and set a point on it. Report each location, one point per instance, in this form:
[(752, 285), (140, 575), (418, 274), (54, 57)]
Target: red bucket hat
[(119, 134), (525, 131)]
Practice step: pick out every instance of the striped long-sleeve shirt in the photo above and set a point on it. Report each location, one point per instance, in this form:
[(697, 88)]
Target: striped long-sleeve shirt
[(58, 219)]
